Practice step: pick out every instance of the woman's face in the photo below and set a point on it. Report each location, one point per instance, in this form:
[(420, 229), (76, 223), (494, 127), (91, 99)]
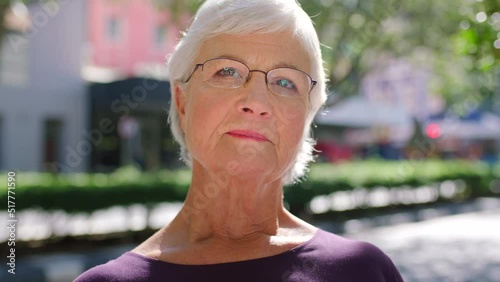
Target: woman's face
[(248, 131)]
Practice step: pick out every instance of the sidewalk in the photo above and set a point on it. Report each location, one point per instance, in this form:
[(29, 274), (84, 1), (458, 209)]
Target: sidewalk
[(443, 247), (455, 248)]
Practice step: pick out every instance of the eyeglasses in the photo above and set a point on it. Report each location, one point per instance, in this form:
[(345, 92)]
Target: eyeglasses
[(230, 74)]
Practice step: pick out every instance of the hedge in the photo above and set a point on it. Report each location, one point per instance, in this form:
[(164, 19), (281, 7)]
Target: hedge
[(325, 179), (87, 192)]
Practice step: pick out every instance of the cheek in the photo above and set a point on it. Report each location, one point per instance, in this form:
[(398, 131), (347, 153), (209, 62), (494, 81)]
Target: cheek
[(195, 109), (292, 117), (203, 116), (292, 139), (290, 125)]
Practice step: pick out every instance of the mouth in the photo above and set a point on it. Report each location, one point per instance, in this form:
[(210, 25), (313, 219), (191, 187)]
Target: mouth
[(248, 134)]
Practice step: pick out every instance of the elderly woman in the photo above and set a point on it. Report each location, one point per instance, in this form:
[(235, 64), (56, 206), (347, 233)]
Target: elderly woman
[(247, 80)]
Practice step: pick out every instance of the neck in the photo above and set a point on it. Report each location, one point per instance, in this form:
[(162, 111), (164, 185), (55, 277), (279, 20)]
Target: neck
[(221, 205)]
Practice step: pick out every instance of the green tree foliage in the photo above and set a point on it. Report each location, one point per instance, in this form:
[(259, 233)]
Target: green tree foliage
[(449, 38), (478, 43), (348, 29), (178, 7)]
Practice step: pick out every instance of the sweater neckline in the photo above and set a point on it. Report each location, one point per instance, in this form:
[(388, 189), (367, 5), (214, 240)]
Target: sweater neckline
[(292, 251)]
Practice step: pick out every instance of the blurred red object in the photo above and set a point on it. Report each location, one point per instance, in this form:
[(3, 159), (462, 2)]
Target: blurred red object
[(332, 152)]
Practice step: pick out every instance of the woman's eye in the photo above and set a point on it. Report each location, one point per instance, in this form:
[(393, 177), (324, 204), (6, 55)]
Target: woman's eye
[(285, 83), (228, 72)]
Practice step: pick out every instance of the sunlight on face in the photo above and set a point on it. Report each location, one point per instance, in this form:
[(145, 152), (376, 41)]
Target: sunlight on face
[(248, 130)]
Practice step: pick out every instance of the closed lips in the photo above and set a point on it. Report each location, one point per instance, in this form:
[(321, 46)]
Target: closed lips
[(248, 134)]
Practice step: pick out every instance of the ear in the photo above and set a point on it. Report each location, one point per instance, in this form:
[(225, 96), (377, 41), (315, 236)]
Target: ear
[(180, 103)]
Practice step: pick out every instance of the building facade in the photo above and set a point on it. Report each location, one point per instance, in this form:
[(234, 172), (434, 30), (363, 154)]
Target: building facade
[(128, 41), (67, 69), (43, 106), (128, 36)]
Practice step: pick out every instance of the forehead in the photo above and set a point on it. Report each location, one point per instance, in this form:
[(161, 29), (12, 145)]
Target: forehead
[(258, 51)]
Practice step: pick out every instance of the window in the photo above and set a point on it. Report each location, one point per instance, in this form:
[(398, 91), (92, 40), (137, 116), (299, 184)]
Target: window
[(160, 35), (14, 62), (52, 144), (114, 29)]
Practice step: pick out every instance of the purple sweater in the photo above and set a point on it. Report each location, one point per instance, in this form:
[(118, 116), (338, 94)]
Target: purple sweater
[(325, 257)]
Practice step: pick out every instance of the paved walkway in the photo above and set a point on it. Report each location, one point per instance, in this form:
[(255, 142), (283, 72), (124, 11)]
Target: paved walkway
[(445, 248), (456, 248)]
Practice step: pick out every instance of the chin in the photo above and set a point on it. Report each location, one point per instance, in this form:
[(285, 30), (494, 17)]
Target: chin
[(260, 168)]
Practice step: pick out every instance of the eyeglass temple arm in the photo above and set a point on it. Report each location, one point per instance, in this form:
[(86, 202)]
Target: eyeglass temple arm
[(192, 73), (313, 83)]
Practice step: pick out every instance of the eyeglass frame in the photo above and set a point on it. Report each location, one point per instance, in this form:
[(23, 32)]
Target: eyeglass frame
[(197, 66)]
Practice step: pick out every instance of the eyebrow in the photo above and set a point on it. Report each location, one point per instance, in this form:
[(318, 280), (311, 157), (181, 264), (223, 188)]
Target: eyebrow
[(278, 65)]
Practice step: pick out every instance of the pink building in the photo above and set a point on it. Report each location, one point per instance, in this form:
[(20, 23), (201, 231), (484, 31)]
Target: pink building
[(129, 35)]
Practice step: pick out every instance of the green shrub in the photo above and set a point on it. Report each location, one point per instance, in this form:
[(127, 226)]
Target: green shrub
[(87, 192), (324, 179)]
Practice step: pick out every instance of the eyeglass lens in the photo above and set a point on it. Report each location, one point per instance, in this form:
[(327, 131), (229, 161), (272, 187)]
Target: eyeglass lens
[(227, 73)]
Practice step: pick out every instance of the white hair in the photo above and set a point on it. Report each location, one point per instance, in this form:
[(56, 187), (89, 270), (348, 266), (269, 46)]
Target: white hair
[(216, 17)]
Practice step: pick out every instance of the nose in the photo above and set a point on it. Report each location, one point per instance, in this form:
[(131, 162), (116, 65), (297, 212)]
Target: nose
[(256, 99)]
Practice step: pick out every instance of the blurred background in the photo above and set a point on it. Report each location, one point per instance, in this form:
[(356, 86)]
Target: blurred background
[(408, 144)]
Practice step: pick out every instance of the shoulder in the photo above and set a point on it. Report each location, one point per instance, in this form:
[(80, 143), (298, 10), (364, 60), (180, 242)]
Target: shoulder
[(127, 267), (354, 258), (338, 245), (348, 247), (96, 274)]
